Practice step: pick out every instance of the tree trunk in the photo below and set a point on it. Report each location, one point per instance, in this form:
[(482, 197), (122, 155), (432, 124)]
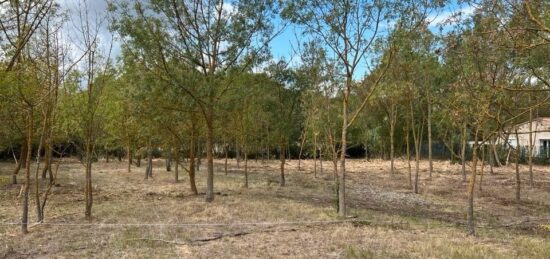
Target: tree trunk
[(417, 163), (344, 143), (452, 150), (471, 188), (226, 156), (409, 168), (531, 147), (199, 156), (417, 134), (41, 143), (482, 167), (335, 163), (169, 161), (431, 167), (238, 150), (314, 155), (392, 148), (321, 159), (89, 195), (47, 170), (149, 168), (192, 150), (88, 166), (22, 160), (491, 161), (25, 209), (283, 161), (463, 152), (497, 159), (176, 170), (210, 157), (138, 159), (301, 149), (518, 179), (129, 153), (245, 168)]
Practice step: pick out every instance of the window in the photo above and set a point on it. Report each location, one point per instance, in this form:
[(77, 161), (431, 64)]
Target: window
[(513, 142), (544, 148)]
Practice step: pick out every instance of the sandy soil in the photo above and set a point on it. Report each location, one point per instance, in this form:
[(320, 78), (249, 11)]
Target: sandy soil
[(137, 218)]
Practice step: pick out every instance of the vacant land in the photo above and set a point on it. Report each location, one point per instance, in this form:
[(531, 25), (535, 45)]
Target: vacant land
[(141, 218)]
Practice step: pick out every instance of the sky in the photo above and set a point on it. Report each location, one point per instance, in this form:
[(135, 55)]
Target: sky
[(283, 47)]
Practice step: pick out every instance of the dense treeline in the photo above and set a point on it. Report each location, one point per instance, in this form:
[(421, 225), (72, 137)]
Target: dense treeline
[(196, 80)]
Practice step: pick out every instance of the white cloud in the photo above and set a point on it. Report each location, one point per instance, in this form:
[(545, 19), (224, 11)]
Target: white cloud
[(450, 16)]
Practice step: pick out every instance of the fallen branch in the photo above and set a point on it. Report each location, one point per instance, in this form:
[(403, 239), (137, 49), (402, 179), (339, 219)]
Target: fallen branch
[(157, 240), (220, 236)]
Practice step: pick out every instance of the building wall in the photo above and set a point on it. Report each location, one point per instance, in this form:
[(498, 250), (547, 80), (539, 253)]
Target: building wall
[(540, 132)]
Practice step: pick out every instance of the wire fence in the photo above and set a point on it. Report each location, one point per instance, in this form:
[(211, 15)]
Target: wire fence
[(270, 224)]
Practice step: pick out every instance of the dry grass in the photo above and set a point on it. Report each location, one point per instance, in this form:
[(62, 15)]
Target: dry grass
[(396, 222)]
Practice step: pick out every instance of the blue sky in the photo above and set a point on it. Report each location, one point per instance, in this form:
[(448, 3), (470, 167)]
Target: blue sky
[(283, 45)]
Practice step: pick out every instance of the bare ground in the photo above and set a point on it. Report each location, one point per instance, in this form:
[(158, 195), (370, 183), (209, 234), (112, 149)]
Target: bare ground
[(137, 218)]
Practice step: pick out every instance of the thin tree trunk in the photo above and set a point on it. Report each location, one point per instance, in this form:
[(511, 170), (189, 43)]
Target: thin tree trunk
[(531, 147), (148, 164), (482, 167), (192, 150), (321, 159), (199, 156), (245, 167), (25, 209), (47, 170), (210, 158), (416, 137), (463, 152), (89, 195), (301, 148), (431, 167), (169, 161), (392, 146), (176, 170), (335, 166), (452, 158), (283, 161), (417, 163), (226, 156), (344, 143), (129, 153), (491, 161), (497, 159), (22, 160), (138, 159), (471, 188), (238, 150), (409, 168), (41, 143), (88, 192), (518, 178), (315, 155)]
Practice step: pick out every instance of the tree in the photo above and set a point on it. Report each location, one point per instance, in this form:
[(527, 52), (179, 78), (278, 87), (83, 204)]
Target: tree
[(208, 35), (19, 22), (349, 37)]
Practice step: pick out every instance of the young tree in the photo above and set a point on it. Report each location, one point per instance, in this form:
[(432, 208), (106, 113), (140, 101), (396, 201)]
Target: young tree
[(19, 21), (211, 36)]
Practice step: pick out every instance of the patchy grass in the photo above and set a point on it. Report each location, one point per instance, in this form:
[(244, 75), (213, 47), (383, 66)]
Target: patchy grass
[(390, 220)]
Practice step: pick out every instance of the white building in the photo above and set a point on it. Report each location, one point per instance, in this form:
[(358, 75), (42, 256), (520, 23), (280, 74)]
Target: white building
[(540, 134)]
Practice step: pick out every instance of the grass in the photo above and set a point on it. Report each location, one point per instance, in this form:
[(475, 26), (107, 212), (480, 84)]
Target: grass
[(395, 223)]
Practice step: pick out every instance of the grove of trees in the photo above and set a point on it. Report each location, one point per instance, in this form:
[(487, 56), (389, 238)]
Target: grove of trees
[(197, 80)]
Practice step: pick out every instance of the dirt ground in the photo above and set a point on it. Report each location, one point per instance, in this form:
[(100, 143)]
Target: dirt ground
[(157, 218)]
